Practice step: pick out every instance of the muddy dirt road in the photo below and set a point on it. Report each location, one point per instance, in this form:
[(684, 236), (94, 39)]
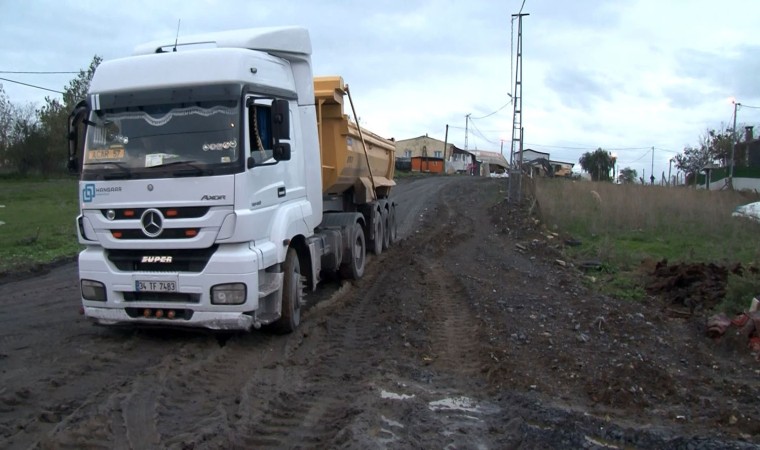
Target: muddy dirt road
[(467, 334)]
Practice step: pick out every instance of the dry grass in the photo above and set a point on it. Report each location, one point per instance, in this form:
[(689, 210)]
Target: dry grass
[(627, 223)]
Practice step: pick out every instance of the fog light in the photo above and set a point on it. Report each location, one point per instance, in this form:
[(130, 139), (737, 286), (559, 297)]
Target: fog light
[(93, 290), (228, 294)]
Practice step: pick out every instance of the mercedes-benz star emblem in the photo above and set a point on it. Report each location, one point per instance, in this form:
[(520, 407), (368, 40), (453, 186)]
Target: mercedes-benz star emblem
[(152, 222)]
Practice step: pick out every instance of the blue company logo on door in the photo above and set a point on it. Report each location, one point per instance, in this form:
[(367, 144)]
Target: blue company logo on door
[(90, 191)]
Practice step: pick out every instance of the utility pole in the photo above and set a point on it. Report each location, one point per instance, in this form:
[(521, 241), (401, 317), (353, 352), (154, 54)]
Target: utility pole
[(466, 126), (733, 147), (517, 127), (445, 147), (652, 172)]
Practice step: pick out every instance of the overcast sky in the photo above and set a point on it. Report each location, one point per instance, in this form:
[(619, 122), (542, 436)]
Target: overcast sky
[(624, 75)]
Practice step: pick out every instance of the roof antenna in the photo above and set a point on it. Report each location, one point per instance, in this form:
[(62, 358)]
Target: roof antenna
[(176, 38)]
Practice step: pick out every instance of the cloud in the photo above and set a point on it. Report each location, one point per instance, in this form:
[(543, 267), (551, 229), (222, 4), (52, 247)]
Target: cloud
[(576, 88), (734, 71)]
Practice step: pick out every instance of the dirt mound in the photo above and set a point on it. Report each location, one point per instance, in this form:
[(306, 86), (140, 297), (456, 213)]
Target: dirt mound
[(696, 286)]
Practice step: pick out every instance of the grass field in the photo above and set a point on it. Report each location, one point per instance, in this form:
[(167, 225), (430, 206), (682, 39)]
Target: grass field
[(38, 221), (623, 225)]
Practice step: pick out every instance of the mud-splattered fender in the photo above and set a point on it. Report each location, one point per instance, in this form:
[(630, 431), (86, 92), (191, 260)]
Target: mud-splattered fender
[(288, 222)]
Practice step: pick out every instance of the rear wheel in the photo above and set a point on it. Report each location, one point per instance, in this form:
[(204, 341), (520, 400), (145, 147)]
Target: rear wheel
[(377, 241), (292, 295), (354, 269), (386, 229), (393, 232)]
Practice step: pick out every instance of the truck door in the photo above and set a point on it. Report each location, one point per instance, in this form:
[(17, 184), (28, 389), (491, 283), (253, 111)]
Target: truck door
[(275, 170)]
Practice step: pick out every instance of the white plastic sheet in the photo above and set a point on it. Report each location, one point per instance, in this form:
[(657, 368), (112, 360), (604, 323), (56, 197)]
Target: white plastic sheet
[(749, 211)]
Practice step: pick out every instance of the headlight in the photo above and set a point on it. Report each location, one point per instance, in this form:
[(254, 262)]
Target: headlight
[(93, 290), (228, 294)]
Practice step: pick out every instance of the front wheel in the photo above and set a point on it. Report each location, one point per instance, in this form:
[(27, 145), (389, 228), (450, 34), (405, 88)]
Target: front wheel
[(292, 295)]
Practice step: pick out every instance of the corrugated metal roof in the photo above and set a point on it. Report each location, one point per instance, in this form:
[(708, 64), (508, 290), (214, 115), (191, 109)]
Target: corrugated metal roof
[(493, 158)]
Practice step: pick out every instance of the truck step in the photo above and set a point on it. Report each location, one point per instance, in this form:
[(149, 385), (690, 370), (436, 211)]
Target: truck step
[(269, 283)]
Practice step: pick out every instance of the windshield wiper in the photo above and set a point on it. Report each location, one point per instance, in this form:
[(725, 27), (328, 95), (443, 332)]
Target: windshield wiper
[(189, 162), (125, 170), (195, 170)]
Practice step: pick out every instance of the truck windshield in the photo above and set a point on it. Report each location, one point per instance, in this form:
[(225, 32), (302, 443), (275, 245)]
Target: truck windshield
[(200, 138)]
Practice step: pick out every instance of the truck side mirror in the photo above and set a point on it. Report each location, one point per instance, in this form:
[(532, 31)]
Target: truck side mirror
[(77, 119), (280, 120), (281, 151)]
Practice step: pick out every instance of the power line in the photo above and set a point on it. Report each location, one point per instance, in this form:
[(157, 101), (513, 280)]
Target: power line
[(645, 154), (521, 7), (32, 85), (742, 105), (491, 114), (589, 147), (34, 72), (476, 130)]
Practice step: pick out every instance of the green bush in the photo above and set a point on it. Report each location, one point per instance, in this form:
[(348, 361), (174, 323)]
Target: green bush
[(740, 291)]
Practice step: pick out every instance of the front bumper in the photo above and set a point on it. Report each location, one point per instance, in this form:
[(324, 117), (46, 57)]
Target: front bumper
[(200, 319), (192, 307)]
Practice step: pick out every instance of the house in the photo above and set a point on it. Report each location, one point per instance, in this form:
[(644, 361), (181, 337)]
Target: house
[(426, 154), (427, 164), (423, 146), (562, 169), (529, 155), (490, 162), (538, 163), (460, 161), (422, 154), (746, 168)]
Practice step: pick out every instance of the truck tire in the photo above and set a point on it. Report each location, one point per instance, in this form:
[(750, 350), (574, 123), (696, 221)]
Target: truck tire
[(393, 233), (377, 241), (292, 293), (355, 268), (386, 229)]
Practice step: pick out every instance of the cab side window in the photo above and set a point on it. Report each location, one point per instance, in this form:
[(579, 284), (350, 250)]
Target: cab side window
[(260, 131)]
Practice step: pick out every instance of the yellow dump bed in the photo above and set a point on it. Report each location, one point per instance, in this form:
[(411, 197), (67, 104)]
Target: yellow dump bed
[(344, 163)]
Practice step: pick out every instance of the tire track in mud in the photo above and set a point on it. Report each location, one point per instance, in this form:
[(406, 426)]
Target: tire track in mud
[(454, 345), (297, 414), (205, 399), (57, 388), (122, 410), (191, 398)]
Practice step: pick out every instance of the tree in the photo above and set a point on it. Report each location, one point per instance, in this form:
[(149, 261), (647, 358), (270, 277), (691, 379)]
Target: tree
[(598, 164), (714, 147), (627, 176), (24, 138), (6, 126), (53, 117)]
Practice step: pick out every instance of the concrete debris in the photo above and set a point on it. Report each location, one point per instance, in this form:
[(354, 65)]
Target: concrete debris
[(745, 326)]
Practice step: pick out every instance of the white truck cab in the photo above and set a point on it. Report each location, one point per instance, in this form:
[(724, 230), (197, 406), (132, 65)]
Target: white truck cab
[(201, 195)]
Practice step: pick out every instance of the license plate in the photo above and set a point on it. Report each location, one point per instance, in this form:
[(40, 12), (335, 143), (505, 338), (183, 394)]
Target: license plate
[(155, 286)]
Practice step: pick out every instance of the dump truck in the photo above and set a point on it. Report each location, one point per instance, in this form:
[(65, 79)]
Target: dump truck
[(220, 181)]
